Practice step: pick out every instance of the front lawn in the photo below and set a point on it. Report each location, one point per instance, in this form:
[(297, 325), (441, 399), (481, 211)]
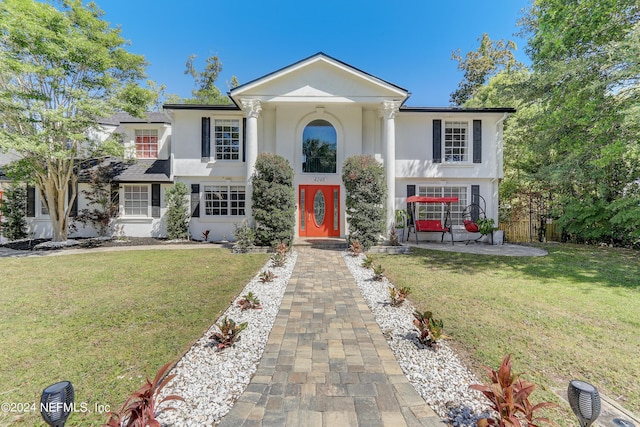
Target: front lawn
[(105, 320), (572, 314)]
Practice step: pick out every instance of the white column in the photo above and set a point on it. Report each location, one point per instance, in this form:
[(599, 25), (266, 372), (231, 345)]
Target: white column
[(389, 110), (251, 108)]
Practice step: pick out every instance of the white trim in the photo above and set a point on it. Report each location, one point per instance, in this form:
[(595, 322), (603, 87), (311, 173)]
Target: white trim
[(301, 126), (314, 59), (122, 209)]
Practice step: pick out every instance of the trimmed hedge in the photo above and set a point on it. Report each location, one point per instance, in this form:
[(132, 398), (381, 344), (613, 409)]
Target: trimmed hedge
[(273, 200), (364, 180)]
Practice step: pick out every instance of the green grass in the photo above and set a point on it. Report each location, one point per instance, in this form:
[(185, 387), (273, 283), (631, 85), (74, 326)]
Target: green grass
[(106, 320), (572, 314)]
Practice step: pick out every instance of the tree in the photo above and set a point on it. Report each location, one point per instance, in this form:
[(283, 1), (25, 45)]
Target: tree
[(100, 208), (586, 81), (178, 211), (273, 200), (205, 91), (479, 65), (61, 70), (14, 211), (364, 181)]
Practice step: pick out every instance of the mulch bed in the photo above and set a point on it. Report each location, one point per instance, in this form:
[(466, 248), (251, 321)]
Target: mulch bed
[(28, 245)]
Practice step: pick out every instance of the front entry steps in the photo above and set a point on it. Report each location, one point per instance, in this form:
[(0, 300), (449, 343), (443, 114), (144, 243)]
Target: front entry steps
[(320, 242)]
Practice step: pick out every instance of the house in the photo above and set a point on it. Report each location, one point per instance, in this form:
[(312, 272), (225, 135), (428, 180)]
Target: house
[(315, 113)]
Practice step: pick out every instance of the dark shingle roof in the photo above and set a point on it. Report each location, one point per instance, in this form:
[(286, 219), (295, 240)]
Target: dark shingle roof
[(141, 170), (119, 118), (145, 170)]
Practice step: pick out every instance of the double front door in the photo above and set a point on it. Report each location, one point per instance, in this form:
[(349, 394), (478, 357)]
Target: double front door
[(319, 211)]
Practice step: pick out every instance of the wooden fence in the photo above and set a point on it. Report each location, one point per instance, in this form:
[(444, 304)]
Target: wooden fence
[(526, 231)]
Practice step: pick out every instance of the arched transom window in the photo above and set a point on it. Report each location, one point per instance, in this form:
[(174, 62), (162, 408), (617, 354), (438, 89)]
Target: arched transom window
[(319, 147)]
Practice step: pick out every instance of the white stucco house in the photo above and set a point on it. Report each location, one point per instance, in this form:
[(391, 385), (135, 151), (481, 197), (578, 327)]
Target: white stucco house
[(315, 113)]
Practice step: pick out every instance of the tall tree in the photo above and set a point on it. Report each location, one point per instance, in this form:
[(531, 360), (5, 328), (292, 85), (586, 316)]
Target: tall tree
[(206, 91), (491, 57), (61, 69), (586, 79)]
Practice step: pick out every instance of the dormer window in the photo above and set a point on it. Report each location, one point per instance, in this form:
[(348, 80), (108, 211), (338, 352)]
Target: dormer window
[(146, 144)]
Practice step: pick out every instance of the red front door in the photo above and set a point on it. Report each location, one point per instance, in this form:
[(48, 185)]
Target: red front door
[(319, 211)]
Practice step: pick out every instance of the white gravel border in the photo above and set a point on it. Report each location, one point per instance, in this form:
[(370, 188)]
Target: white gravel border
[(211, 381), (437, 374)]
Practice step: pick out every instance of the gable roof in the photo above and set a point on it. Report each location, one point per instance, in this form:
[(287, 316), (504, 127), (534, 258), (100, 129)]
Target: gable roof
[(288, 82)]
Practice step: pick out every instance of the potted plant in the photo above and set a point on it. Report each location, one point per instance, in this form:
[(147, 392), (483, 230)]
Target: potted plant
[(401, 222), (486, 227)]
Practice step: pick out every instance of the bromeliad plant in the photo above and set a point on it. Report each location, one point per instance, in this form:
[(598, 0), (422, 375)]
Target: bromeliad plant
[(139, 410), (398, 295), (279, 259), (509, 397), (229, 333), (429, 328), (249, 301), (267, 276), (394, 239), (355, 248), (367, 262), (378, 273)]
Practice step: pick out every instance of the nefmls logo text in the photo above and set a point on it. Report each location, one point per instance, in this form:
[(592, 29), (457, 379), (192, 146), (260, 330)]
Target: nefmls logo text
[(54, 407)]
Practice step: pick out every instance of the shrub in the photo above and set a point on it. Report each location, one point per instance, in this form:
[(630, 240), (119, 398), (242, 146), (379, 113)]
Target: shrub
[(279, 259), (429, 328), (509, 397), (364, 181), (14, 211), (178, 211), (229, 333), (273, 200), (398, 295), (244, 236), (139, 410)]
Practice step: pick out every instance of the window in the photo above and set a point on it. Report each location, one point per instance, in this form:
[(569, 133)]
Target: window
[(319, 147), (224, 200), (146, 143), (43, 208), (455, 142), (437, 210), (136, 200), (227, 139)]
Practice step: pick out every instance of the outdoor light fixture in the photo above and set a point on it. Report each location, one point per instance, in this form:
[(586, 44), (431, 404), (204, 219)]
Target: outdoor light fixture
[(56, 403), (585, 402)]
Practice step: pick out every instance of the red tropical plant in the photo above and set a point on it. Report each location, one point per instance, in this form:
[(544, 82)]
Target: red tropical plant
[(509, 397), (139, 410)]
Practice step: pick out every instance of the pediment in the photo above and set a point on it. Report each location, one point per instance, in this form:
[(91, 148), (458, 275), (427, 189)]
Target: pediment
[(320, 78)]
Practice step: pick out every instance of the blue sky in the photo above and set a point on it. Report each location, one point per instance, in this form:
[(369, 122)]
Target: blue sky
[(406, 42)]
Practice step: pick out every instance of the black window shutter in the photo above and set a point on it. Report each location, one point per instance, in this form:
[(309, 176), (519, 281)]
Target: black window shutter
[(74, 206), (477, 141), (31, 201), (437, 141), (155, 200), (244, 139), (411, 191), (206, 137), (195, 200), (115, 199), (475, 202)]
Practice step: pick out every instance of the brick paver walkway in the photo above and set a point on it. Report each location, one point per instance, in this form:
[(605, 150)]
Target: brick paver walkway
[(326, 362)]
